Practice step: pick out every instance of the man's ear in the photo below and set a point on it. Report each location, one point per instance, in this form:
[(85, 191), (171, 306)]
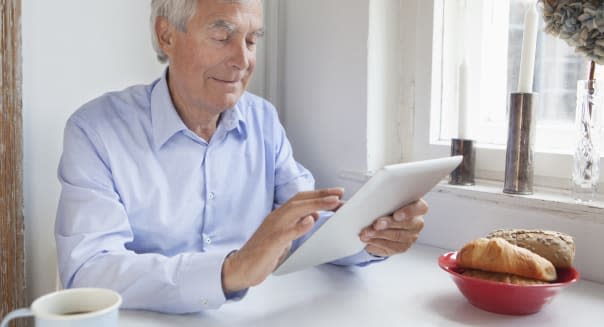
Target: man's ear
[(165, 33)]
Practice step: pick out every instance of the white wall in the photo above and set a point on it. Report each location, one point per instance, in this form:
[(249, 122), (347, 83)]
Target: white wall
[(341, 86), (73, 51), (324, 89), (384, 82)]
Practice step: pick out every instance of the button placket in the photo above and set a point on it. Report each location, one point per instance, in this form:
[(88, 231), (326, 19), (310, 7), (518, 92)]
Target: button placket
[(208, 196)]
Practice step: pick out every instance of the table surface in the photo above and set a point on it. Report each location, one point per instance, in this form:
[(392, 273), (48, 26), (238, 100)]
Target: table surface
[(408, 289)]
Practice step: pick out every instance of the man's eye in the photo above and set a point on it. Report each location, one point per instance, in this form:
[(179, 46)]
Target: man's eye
[(253, 38), (221, 37)]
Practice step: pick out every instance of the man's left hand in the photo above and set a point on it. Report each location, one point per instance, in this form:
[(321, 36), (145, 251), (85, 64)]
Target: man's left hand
[(395, 234)]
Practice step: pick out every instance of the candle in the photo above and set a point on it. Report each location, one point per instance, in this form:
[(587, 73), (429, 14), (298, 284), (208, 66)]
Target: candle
[(527, 57), (462, 101)]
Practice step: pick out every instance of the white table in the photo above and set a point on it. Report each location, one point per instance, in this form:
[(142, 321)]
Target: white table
[(406, 290)]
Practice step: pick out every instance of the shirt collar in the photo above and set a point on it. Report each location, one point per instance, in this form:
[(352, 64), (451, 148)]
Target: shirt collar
[(232, 119), (164, 118), (166, 122)]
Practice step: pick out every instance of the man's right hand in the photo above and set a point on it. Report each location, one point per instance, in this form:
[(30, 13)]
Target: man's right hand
[(272, 240)]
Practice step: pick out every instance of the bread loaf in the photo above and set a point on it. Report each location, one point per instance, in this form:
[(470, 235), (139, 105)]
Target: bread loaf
[(558, 248), (498, 255), (502, 277)]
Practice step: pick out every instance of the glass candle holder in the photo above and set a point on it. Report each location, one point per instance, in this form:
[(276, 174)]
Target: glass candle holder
[(588, 122)]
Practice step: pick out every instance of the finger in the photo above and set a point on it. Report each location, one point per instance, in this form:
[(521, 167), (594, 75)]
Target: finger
[(294, 210), (382, 223), (376, 250), (315, 204), (412, 224), (414, 209), (303, 226), (314, 215), (394, 235), (339, 206), (389, 247), (320, 193)]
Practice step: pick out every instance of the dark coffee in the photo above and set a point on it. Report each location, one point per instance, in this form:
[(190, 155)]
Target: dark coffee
[(75, 313)]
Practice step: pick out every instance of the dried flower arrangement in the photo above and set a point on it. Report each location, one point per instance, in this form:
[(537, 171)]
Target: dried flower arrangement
[(580, 23)]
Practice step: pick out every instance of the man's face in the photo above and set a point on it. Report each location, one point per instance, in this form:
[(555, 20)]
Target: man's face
[(212, 62)]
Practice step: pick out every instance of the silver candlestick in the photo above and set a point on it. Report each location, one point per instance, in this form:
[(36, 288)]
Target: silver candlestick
[(464, 173), (519, 153)]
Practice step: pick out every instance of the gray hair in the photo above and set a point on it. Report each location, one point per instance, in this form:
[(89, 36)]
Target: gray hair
[(178, 13)]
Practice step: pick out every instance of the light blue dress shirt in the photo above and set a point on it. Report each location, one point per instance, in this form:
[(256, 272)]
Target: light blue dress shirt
[(151, 210)]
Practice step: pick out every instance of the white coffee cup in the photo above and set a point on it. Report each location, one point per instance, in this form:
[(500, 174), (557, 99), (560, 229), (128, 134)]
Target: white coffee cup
[(76, 307)]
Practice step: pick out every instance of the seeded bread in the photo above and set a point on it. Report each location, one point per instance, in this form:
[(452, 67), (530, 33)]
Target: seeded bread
[(559, 248)]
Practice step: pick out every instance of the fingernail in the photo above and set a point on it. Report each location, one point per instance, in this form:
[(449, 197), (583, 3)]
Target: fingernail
[(400, 216), (308, 220), (381, 225), (370, 233)]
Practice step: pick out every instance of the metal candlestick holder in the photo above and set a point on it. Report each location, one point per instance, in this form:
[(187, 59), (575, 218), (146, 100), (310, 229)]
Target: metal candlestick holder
[(519, 153), (464, 173)]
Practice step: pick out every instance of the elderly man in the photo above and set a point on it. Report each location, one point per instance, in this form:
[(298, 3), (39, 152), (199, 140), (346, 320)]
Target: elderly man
[(184, 193)]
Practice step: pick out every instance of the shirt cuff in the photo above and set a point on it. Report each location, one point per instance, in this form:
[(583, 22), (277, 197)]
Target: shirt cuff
[(363, 258), (200, 278)]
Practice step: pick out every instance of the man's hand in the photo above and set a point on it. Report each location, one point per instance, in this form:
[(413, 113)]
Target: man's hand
[(272, 240), (395, 234)]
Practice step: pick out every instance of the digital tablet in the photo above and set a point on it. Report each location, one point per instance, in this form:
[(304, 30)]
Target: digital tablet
[(389, 189)]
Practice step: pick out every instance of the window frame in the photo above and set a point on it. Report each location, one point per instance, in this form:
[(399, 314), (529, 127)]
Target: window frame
[(421, 115)]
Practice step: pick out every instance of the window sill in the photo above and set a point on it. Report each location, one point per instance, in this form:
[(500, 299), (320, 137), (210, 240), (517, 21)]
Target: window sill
[(552, 169), (545, 199)]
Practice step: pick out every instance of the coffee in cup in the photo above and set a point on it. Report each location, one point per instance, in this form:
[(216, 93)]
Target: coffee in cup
[(90, 307)]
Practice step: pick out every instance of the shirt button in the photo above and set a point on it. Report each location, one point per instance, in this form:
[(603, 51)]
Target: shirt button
[(211, 195), (208, 240), (204, 302)]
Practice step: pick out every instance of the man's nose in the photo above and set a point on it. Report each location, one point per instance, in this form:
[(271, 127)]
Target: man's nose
[(241, 55)]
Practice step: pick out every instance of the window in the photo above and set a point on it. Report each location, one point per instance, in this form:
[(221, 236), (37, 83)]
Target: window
[(487, 36)]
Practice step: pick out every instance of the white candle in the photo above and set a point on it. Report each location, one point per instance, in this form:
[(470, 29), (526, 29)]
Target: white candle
[(462, 101), (527, 58)]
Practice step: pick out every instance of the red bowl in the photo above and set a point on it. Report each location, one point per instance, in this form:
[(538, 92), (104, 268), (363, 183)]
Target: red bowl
[(501, 297)]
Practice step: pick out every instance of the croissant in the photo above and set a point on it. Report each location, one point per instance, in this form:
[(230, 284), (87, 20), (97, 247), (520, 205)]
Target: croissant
[(499, 255)]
